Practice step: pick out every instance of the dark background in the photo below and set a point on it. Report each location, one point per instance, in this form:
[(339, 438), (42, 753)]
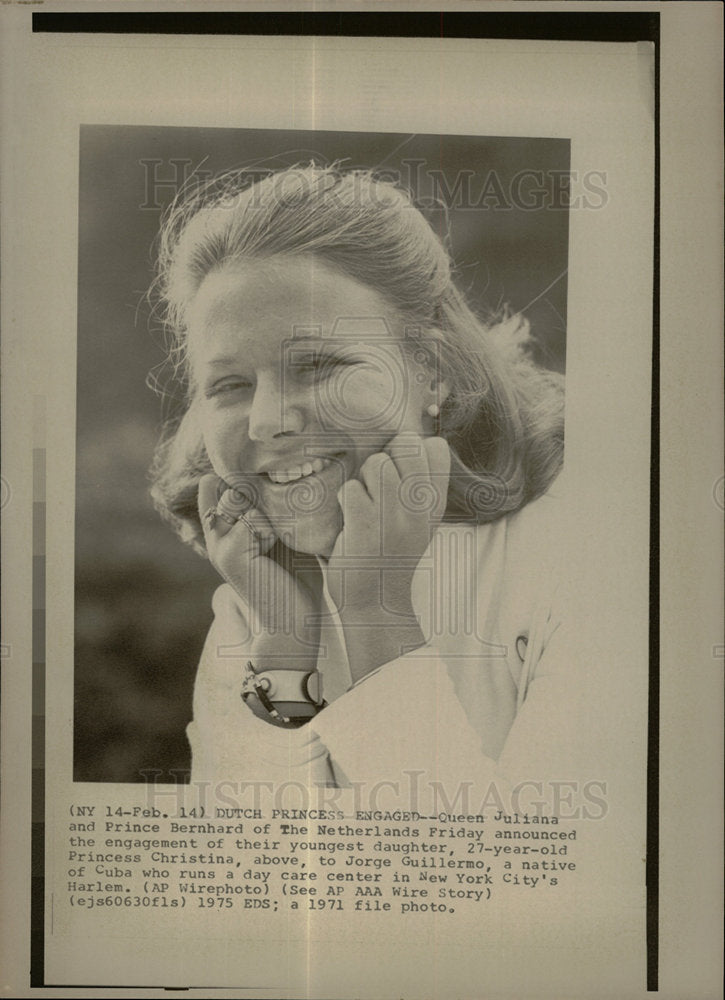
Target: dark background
[(142, 598)]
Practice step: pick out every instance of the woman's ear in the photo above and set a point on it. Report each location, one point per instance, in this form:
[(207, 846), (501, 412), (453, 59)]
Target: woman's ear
[(441, 391)]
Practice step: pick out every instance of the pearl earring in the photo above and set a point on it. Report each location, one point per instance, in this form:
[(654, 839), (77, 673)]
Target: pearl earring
[(433, 410)]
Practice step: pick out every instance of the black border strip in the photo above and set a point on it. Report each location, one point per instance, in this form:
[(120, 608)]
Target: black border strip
[(627, 26), (652, 866)]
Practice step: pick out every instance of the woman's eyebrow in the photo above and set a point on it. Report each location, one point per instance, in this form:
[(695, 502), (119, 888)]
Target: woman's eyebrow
[(222, 361)]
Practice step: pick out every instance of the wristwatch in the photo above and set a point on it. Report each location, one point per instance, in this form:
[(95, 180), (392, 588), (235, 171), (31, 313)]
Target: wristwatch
[(290, 697)]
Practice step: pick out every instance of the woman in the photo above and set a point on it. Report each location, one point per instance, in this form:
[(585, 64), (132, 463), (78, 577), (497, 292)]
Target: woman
[(369, 467)]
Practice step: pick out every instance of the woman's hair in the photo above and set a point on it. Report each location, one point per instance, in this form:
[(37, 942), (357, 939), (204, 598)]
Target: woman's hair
[(503, 417)]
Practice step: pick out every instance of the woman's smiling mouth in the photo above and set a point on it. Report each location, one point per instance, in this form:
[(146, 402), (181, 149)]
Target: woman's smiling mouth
[(295, 472), (288, 470)]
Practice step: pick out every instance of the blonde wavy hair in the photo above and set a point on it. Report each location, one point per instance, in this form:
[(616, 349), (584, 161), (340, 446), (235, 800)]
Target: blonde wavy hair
[(503, 417)]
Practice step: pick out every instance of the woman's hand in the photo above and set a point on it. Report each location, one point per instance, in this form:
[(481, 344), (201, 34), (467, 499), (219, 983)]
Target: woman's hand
[(279, 605), (390, 515)]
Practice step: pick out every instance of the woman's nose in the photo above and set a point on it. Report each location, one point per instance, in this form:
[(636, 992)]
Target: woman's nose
[(273, 412)]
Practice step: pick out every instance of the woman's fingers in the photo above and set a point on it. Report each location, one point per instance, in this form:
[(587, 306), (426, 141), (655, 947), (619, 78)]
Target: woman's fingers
[(209, 488), (423, 465), (208, 491), (227, 511), (408, 464), (256, 523), (439, 456), (354, 500), (409, 454), (439, 464), (373, 473), (238, 538)]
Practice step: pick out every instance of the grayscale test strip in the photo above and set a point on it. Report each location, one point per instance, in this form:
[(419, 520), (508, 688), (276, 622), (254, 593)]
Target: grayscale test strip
[(37, 899)]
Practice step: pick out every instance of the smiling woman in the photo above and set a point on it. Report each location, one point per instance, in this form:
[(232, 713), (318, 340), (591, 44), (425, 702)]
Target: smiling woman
[(369, 467), (270, 402)]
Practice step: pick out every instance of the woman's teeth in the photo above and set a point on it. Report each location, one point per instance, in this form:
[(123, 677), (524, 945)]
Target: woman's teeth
[(300, 471)]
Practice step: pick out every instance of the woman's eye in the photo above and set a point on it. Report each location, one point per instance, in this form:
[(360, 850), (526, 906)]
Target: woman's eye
[(228, 386)]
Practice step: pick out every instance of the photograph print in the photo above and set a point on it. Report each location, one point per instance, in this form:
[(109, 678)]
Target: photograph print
[(320, 487)]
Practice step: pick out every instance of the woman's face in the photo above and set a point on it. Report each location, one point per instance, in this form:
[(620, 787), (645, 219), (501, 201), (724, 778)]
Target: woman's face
[(301, 373)]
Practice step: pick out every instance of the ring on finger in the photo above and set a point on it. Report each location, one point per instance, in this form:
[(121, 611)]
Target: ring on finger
[(248, 523), (226, 517), (213, 513)]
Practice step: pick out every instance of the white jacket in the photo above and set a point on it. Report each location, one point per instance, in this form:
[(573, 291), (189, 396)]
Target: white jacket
[(494, 696)]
